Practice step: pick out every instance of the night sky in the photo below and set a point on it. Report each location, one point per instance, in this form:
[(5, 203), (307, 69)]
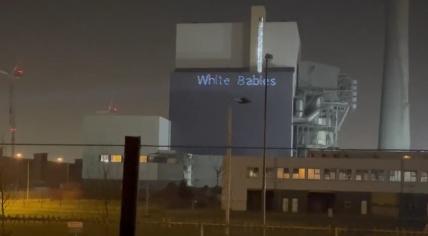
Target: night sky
[(78, 55)]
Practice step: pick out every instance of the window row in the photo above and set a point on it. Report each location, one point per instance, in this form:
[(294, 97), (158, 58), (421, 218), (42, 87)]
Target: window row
[(344, 174), (117, 158)]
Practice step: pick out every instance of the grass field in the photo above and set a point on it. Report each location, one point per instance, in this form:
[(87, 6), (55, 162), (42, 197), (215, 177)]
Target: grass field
[(93, 210), (80, 209), (54, 214)]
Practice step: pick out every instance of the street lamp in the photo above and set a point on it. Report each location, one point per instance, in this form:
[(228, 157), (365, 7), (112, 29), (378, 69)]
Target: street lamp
[(240, 100), (402, 170), (19, 156), (67, 167), (268, 58), (16, 73)]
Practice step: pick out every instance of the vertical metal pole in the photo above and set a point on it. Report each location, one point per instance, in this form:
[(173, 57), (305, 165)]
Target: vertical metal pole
[(28, 179), (267, 58), (129, 187), (202, 230), (229, 163)]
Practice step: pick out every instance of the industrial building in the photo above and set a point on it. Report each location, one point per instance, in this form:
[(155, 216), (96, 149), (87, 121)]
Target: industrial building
[(389, 184), (303, 115), (158, 164), (106, 161), (218, 64)]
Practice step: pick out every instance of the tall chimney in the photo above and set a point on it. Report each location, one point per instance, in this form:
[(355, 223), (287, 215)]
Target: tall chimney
[(394, 130)]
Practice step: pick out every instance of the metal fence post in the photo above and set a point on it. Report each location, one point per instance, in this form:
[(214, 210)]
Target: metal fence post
[(128, 210), (202, 230)]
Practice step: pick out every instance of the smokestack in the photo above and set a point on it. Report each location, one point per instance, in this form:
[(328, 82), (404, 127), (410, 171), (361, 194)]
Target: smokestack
[(394, 119)]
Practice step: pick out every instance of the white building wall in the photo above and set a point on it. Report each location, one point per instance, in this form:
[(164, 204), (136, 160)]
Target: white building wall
[(164, 133), (111, 130), (282, 40), (223, 45), (210, 45)]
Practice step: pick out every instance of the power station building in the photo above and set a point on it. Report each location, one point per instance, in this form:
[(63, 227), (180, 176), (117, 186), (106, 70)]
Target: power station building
[(219, 65), (216, 65), (307, 104)]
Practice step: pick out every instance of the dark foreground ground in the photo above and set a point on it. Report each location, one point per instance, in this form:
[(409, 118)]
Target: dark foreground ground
[(36, 217), (90, 229)]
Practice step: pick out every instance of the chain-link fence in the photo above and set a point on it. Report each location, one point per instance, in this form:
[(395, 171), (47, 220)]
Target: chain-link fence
[(323, 192)]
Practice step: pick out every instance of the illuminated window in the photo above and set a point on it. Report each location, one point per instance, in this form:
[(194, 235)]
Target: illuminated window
[(314, 174), (283, 173), (394, 175), (377, 175), (361, 175), (409, 176), (298, 173), (345, 174), (329, 174), (253, 172), (116, 158), (104, 158), (424, 176), (143, 159)]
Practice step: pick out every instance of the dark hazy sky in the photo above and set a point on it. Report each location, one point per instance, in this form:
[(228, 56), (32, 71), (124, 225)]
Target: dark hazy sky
[(80, 54)]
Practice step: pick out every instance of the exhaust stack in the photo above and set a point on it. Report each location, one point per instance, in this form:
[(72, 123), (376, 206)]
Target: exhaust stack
[(394, 127)]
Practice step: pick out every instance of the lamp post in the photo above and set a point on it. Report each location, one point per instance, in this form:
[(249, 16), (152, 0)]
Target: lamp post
[(16, 73), (67, 170), (20, 156), (402, 178), (402, 170), (268, 58), (241, 100)]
